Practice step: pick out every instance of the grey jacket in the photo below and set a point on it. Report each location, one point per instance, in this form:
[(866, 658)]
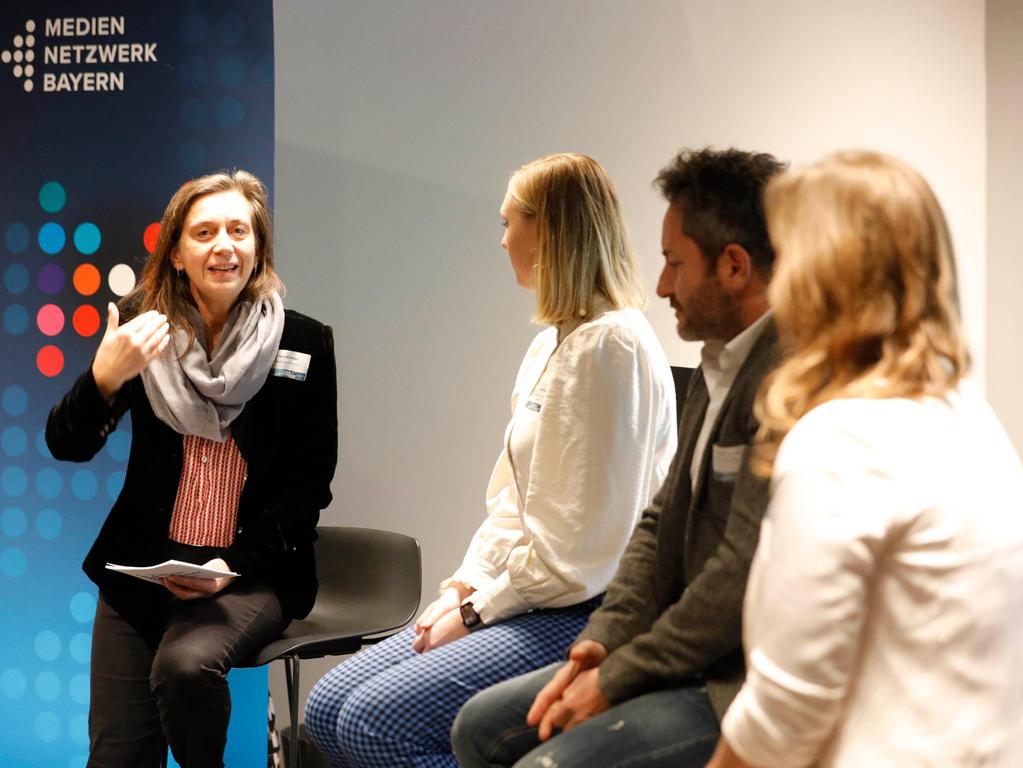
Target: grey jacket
[(672, 615)]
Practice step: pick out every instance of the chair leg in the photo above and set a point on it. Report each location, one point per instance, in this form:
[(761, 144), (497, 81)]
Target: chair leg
[(291, 673)]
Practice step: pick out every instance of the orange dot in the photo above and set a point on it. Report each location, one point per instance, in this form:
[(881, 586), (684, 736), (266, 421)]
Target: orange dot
[(85, 320), (86, 279), (50, 361), (150, 236)]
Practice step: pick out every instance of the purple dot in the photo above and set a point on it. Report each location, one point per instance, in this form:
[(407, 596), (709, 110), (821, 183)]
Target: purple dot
[(50, 279)]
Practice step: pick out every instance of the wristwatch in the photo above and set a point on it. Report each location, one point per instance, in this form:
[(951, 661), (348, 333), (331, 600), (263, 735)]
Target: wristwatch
[(470, 618)]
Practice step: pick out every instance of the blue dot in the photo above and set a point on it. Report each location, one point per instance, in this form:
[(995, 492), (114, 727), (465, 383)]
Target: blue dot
[(47, 727), (52, 237), (84, 484), (78, 688), (41, 446), (14, 481), (13, 683), (192, 71), (78, 730), (87, 238), (115, 482), (52, 196), (119, 444), (13, 562), (230, 112), (192, 114), (231, 28), (83, 607), (13, 522), (47, 686), (16, 237), (80, 647), (49, 524), (16, 278), (230, 70), (49, 483), (192, 155), (15, 319), (265, 69), (194, 29), (47, 645), (14, 441), (15, 400)]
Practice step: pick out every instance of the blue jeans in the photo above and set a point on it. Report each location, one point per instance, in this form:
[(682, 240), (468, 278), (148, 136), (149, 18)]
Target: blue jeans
[(674, 727)]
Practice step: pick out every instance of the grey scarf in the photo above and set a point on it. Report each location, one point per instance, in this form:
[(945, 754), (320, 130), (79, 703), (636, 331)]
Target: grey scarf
[(194, 395)]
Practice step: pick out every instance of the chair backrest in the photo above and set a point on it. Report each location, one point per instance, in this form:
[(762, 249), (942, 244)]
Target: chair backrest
[(370, 584), (681, 376)]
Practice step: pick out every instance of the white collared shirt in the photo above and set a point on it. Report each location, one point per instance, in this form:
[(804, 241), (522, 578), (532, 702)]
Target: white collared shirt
[(720, 364), (883, 619), (592, 434)]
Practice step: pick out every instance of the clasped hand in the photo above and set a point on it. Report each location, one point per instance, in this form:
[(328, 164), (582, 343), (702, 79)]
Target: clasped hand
[(573, 695), (125, 350), (188, 588), (441, 622)]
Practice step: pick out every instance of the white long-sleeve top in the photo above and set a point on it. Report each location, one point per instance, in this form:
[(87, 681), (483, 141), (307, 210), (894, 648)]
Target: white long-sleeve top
[(884, 614), (592, 434)]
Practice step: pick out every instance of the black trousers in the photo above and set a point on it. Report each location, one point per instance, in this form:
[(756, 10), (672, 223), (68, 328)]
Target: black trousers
[(144, 700)]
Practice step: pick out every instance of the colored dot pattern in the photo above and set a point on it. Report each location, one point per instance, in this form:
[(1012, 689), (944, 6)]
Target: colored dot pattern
[(56, 280)]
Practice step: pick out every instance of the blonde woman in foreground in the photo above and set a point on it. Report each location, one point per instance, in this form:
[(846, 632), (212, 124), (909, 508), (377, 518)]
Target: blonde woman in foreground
[(884, 613)]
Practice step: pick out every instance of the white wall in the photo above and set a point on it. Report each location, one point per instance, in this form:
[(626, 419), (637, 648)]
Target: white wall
[(1004, 203), (399, 122)]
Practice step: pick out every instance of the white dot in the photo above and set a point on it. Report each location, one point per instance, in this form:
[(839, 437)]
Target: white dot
[(17, 70), (30, 55), (30, 40), (121, 279), (28, 85), (5, 57), (18, 41), (30, 25), (29, 70), (18, 55)]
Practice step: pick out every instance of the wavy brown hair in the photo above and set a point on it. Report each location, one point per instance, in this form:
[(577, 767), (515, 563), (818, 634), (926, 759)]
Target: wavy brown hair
[(582, 244), (162, 289), (864, 292)]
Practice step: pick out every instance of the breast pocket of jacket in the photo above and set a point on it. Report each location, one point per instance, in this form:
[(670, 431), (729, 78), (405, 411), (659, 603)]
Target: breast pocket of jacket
[(726, 462)]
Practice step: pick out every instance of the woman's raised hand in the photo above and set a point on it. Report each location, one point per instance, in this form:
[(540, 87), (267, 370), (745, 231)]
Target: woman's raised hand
[(125, 350)]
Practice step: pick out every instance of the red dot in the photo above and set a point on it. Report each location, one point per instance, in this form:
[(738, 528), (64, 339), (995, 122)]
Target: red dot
[(85, 320), (150, 236), (50, 361)]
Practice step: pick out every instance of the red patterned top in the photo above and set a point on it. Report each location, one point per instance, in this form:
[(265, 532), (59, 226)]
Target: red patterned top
[(206, 508)]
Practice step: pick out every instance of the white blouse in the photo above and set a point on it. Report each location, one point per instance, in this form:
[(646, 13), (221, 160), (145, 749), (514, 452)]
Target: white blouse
[(592, 434), (884, 614)]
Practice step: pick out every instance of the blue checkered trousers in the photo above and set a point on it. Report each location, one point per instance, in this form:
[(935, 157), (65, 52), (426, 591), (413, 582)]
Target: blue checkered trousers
[(389, 706)]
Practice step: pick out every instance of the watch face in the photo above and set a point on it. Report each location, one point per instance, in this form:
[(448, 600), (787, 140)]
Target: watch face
[(469, 616)]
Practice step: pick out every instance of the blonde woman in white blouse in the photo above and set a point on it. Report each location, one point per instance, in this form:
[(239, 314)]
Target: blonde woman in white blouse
[(591, 436), (884, 614)]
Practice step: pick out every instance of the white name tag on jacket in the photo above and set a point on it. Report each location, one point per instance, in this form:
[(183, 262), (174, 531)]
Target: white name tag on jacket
[(291, 365)]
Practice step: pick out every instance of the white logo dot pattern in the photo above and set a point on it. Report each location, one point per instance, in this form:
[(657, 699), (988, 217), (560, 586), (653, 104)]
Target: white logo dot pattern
[(22, 45)]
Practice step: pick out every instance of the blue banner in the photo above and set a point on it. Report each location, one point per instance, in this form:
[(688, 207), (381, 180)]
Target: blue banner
[(105, 115)]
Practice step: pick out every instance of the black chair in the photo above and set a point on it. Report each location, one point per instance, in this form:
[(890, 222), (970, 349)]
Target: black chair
[(370, 583), (681, 376)]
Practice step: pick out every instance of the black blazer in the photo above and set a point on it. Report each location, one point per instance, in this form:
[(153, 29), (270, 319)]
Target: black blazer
[(287, 434)]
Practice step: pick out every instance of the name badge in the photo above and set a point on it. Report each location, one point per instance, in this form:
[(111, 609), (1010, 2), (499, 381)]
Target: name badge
[(291, 365)]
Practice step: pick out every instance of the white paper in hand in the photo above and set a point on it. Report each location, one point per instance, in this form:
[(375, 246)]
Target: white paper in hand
[(170, 568)]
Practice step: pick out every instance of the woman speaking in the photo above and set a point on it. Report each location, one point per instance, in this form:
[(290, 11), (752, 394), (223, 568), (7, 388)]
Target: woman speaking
[(234, 442)]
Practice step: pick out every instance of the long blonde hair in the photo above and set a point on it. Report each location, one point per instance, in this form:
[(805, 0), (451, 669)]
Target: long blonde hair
[(582, 244), (864, 292)]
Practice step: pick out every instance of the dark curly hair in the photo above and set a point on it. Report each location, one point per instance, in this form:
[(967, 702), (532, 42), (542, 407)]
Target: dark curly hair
[(720, 195)]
